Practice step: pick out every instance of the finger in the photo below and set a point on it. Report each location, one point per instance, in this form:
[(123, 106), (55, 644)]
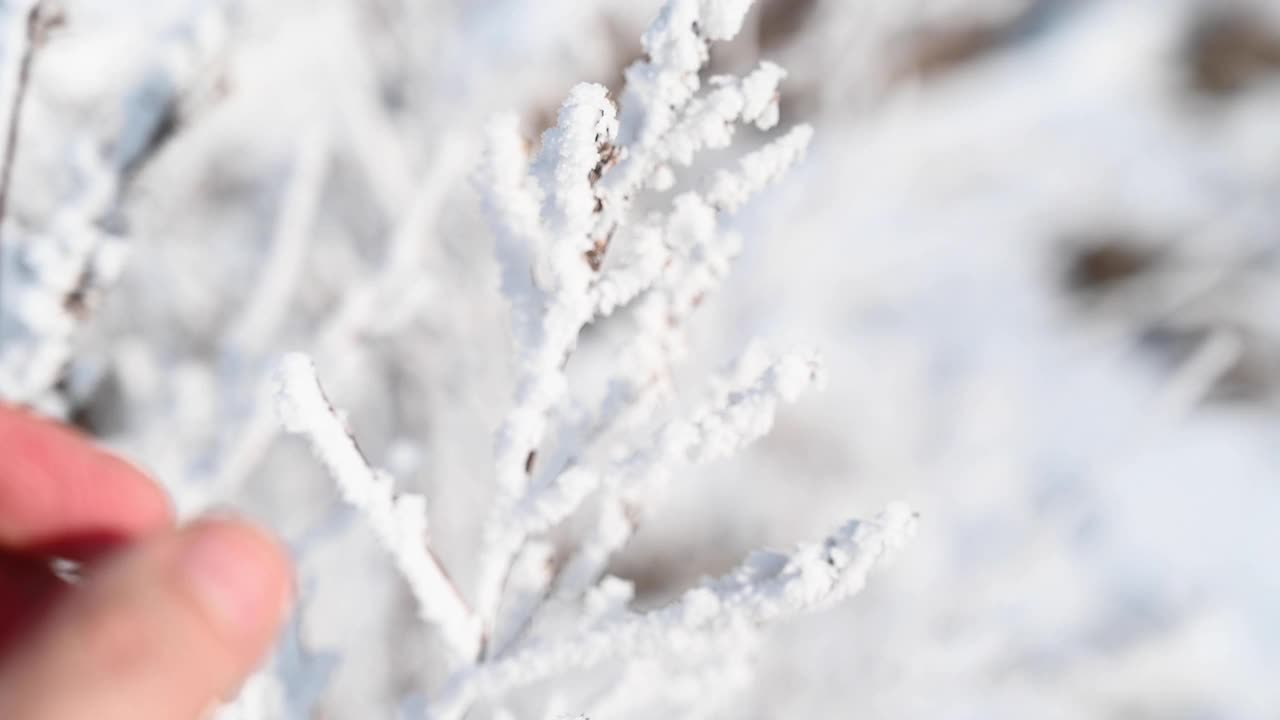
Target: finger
[(61, 495), (160, 632), (27, 590)]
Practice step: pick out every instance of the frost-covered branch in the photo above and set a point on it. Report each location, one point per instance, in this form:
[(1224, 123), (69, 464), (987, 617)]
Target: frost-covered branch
[(570, 252), (382, 305), (543, 216), (768, 587), (56, 272), (708, 121), (731, 190), (661, 121), (399, 520), (739, 413), (695, 258), (741, 410)]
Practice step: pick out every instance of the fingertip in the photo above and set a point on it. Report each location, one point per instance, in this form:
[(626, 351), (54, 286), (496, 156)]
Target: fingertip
[(240, 577), (115, 506), (181, 618), (151, 508), (63, 495)]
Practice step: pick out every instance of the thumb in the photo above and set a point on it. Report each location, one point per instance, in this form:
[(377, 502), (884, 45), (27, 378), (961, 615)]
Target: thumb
[(162, 631)]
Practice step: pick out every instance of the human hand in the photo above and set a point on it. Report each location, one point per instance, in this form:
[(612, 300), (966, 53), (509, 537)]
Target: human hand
[(163, 622)]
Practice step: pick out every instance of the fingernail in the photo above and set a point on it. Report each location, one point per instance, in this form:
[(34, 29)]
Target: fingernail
[(232, 572)]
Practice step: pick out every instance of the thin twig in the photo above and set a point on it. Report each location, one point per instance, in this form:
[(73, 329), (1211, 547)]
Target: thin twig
[(398, 519), (15, 110), (14, 120)]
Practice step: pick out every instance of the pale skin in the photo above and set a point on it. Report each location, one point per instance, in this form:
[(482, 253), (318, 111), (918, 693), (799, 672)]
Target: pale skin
[(165, 620)]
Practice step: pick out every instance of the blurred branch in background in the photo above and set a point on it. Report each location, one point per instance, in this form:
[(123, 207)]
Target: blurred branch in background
[(28, 23)]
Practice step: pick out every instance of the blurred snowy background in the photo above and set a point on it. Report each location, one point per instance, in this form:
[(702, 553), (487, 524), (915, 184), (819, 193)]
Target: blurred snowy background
[(1038, 242)]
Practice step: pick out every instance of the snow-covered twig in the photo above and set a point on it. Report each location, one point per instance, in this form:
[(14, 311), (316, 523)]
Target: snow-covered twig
[(60, 272), (741, 410), (399, 520), (544, 217), (768, 587), (570, 252), (730, 190), (393, 295), (23, 20), (740, 414)]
